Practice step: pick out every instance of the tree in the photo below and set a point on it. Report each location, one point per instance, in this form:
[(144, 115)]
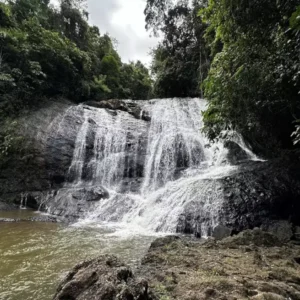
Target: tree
[(49, 52), (252, 85), (181, 60)]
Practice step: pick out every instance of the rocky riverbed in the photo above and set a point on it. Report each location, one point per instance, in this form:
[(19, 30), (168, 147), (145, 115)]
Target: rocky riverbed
[(251, 265)]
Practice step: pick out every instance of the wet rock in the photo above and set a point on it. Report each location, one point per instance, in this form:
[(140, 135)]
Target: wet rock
[(256, 194), (103, 278), (49, 138), (9, 220), (113, 105), (45, 219), (7, 206), (220, 232), (255, 237), (190, 223), (235, 152), (281, 229), (90, 194), (71, 203)]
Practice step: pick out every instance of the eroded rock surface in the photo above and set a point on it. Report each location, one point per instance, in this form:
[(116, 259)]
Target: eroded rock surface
[(251, 265), (104, 278)]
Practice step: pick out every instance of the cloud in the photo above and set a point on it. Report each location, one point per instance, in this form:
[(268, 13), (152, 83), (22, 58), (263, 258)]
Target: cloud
[(124, 21)]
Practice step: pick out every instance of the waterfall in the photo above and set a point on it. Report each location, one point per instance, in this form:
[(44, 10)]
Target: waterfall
[(151, 170)]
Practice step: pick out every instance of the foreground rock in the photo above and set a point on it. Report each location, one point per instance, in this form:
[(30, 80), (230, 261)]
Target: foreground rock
[(102, 278), (251, 265), (7, 206)]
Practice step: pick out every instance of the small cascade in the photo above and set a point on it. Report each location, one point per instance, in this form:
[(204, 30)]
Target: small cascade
[(146, 172), (175, 141), (77, 164)]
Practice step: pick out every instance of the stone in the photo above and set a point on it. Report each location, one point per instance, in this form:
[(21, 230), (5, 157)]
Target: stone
[(90, 194), (71, 203), (280, 228), (255, 237), (103, 278), (235, 152), (7, 206), (164, 241), (9, 220), (220, 232), (268, 296)]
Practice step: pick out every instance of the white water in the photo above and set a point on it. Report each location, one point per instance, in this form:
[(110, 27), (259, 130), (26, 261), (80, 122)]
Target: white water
[(180, 167)]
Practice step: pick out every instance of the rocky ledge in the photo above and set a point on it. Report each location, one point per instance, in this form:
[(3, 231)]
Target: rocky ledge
[(129, 106), (251, 265)]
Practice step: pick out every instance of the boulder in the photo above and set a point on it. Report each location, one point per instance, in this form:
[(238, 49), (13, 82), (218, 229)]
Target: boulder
[(235, 152), (113, 105), (220, 232), (282, 229), (71, 203), (255, 237), (103, 278), (90, 194)]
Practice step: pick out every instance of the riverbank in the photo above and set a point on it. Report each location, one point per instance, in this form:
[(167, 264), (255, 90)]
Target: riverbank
[(251, 265)]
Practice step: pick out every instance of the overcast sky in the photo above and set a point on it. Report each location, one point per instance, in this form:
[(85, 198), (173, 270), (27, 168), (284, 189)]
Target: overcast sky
[(123, 20)]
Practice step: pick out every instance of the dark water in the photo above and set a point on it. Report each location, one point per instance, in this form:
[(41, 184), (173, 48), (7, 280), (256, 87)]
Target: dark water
[(34, 257)]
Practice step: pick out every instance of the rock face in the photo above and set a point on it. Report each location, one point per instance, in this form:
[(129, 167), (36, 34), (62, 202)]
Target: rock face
[(72, 203), (251, 265), (260, 194), (104, 278), (47, 153), (47, 176), (129, 106)]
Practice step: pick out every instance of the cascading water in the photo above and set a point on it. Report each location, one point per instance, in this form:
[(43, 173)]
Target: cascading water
[(151, 170)]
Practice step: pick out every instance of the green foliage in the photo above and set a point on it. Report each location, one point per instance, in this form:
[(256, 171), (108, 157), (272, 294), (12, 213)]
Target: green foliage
[(136, 76), (181, 60), (295, 19), (55, 52), (254, 81), (10, 143)]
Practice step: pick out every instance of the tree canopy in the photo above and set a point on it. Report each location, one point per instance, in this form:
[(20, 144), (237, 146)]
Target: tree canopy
[(253, 84), (181, 60), (48, 51)]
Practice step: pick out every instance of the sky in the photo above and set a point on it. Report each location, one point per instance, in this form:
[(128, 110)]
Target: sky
[(123, 20)]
